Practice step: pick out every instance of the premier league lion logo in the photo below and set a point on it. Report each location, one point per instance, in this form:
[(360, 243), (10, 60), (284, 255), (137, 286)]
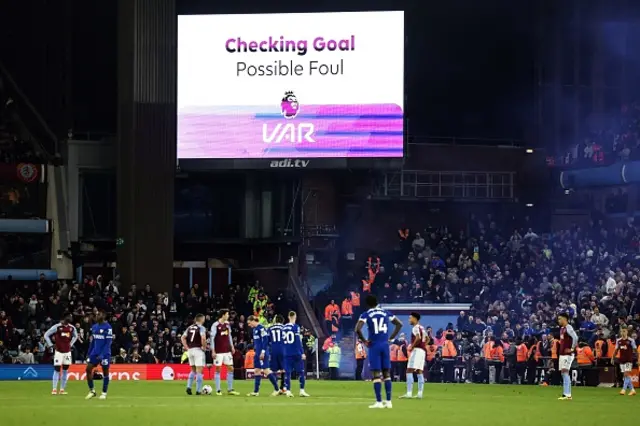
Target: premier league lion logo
[(289, 106)]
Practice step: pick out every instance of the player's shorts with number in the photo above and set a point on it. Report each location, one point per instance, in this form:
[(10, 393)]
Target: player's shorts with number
[(626, 367), (379, 357), (261, 363), (416, 359), (565, 361), (223, 359), (61, 358), (99, 360), (197, 357)]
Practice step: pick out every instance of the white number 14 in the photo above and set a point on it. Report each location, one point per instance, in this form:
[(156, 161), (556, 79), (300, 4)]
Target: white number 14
[(379, 325)]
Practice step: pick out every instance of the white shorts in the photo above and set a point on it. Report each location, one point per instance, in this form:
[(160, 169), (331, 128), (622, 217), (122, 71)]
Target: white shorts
[(226, 359), (60, 358), (626, 367), (416, 359), (196, 357), (565, 361)]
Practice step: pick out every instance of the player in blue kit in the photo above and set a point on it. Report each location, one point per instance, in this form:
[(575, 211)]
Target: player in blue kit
[(294, 355), (261, 359), (377, 320), (276, 361), (99, 354)]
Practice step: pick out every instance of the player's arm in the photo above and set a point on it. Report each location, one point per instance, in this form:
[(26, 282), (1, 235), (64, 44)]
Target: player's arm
[(264, 342), (416, 339), (74, 335), (214, 333), (203, 338), (233, 348), (574, 337), (359, 326), (183, 340), (50, 332), (398, 327)]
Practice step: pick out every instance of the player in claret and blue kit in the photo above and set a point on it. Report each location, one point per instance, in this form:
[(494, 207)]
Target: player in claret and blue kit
[(377, 321), (65, 336), (294, 355), (261, 359), (99, 354)]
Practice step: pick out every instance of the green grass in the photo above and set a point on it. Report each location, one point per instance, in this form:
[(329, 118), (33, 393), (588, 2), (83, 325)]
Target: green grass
[(332, 403)]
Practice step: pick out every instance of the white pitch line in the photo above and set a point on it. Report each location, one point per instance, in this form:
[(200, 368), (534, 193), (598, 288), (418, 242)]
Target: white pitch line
[(173, 406)]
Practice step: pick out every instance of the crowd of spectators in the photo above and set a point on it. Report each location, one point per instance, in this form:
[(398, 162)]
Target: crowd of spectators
[(147, 325), (516, 279), (618, 141)]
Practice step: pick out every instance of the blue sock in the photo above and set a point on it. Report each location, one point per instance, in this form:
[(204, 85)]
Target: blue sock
[(105, 383), (199, 379), (303, 379), (377, 388), (420, 383), (282, 380), (90, 383), (63, 382), (274, 381), (217, 380), (256, 383), (566, 384), (192, 376), (56, 377), (629, 383), (230, 380), (409, 383), (287, 380), (387, 388)]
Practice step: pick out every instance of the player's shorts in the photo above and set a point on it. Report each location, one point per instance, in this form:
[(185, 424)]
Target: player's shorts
[(262, 364), (223, 359), (565, 361), (379, 357), (99, 360), (294, 363), (626, 367), (61, 358), (416, 359), (276, 362), (197, 357)]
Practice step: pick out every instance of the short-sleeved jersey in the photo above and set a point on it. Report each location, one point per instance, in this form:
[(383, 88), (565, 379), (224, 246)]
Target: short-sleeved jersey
[(568, 340), (260, 339), (194, 335), (626, 349), (292, 340), (418, 332), (65, 336), (377, 320), (221, 339), (276, 339), (101, 339)]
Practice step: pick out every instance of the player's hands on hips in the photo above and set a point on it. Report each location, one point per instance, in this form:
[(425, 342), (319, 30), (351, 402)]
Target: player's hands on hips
[(304, 357), (262, 356), (213, 353)]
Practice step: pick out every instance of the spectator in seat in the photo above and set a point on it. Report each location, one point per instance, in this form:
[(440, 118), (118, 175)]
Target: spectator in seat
[(25, 357)]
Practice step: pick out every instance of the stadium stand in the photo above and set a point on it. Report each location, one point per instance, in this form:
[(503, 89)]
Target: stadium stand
[(617, 139)]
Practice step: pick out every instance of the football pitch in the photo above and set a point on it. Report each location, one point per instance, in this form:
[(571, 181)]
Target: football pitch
[(331, 404)]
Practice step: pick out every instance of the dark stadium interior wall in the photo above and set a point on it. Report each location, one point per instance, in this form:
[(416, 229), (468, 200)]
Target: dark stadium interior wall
[(146, 140)]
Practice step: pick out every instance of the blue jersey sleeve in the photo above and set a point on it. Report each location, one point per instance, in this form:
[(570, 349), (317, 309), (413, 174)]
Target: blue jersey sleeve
[(264, 338)]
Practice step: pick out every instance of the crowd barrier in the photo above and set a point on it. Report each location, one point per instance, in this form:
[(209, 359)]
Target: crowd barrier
[(124, 372)]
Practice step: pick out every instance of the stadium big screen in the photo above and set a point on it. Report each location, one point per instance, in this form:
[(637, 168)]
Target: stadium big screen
[(291, 91)]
